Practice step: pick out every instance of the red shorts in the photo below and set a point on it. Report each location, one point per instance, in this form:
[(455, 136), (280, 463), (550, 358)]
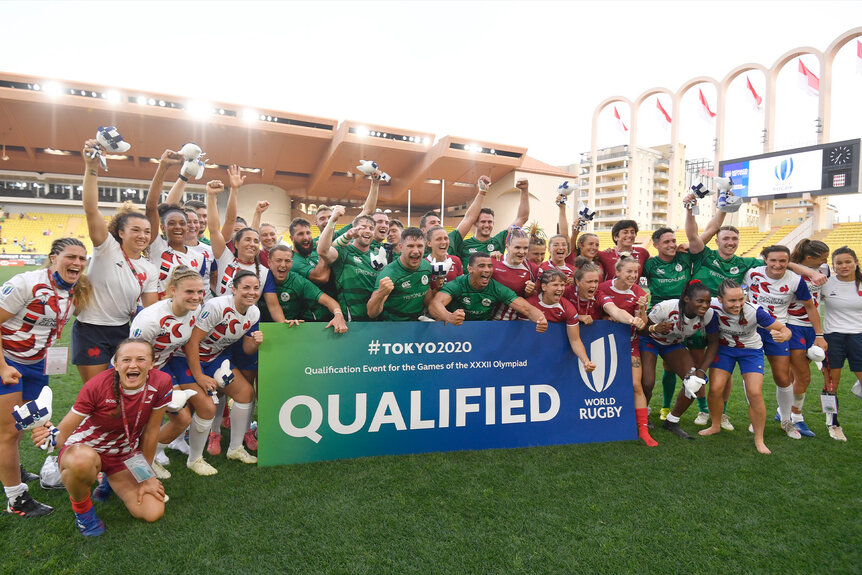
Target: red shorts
[(636, 350), (111, 463)]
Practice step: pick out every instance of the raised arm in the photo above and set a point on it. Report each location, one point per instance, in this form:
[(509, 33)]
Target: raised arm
[(217, 242), (472, 213), (235, 179), (261, 207), (151, 207), (324, 244), (563, 219), (371, 201), (96, 225), (524, 206)]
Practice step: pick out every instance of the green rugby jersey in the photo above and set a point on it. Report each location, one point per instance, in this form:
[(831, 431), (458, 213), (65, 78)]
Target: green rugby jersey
[(477, 305), (405, 302), (354, 280), (496, 243), (296, 295), (712, 270), (666, 280)]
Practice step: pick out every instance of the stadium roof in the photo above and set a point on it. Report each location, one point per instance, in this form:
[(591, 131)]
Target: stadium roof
[(43, 125)]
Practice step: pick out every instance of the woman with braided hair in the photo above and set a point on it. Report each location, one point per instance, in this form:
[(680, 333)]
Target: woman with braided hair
[(112, 428), (34, 308)]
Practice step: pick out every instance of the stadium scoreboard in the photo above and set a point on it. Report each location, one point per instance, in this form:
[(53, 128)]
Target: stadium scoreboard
[(831, 168)]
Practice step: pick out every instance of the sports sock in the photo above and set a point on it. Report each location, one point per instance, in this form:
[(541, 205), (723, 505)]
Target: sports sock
[(668, 387), (82, 506), (216, 421), (240, 415), (725, 408), (672, 418), (642, 418), (198, 431), (160, 448), (701, 405), (12, 493), (784, 395)]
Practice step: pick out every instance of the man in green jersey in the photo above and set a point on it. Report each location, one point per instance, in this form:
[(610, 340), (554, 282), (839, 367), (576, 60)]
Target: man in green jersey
[(474, 296), (456, 237), (403, 287), (297, 296), (482, 240), (351, 263)]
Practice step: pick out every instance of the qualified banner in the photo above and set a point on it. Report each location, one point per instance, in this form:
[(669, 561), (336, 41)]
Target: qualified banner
[(417, 387)]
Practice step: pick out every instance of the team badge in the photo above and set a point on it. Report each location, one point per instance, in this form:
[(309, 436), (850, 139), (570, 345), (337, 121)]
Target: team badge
[(357, 259), (734, 270), (425, 280), (486, 302), (284, 296), (678, 267), (490, 247)]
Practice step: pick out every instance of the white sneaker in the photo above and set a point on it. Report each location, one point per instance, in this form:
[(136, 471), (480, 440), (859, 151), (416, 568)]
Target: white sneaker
[(857, 389), (179, 444), (161, 472), (790, 429), (725, 423), (240, 454), (750, 428), (835, 432), (162, 459), (167, 498), (201, 467), (702, 419)]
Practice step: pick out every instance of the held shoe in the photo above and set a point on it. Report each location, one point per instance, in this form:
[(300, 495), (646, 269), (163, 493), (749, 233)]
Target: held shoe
[(240, 454), (214, 444), (26, 506), (702, 419), (790, 430), (725, 423), (89, 524), (201, 467), (803, 430)]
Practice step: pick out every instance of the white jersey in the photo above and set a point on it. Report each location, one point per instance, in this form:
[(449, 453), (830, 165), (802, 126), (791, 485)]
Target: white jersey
[(116, 286), (228, 265), (773, 295), (167, 332), (37, 304), (223, 325), (740, 330), (842, 310), (796, 314), (165, 259), (206, 251), (683, 327)]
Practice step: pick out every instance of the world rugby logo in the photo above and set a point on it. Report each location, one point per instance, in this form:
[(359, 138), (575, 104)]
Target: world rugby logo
[(784, 169), (605, 358)]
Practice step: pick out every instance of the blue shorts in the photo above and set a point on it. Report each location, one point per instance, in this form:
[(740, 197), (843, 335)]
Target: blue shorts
[(802, 336), (770, 347), (31, 382), (650, 345), (844, 346), (179, 368), (749, 360), (96, 344), (241, 360)]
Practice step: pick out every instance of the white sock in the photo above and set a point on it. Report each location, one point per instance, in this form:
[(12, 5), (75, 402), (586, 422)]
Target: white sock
[(672, 418), (198, 431), (160, 448), (12, 493), (784, 395), (796, 417), (240, 416), (216, 425)]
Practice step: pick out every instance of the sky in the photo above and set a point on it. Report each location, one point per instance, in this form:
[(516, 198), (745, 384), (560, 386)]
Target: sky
[(520, 73)]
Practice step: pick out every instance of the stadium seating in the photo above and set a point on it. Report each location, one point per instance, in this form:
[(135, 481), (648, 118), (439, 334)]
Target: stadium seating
[(849, 234)]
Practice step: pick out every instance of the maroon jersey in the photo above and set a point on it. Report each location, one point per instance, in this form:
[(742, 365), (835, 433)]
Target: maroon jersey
[(514, 278), (554, 313), (569, 271), (625, 300), (608, 259), (104, 429), (589, 307)]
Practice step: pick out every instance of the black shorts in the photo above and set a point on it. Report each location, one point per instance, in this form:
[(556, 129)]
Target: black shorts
[(96, 344), (844, 347)]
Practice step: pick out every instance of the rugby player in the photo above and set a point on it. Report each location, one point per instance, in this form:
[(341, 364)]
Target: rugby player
[(403, 287)]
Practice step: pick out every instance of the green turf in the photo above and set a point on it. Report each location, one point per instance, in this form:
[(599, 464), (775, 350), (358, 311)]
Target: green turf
[(707, 506)]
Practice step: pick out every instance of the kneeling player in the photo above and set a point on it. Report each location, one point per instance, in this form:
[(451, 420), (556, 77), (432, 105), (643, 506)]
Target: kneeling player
[(740, 344), (670, 323), (113, 428)]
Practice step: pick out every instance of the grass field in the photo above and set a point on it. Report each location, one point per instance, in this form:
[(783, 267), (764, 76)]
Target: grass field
[(707, 506)]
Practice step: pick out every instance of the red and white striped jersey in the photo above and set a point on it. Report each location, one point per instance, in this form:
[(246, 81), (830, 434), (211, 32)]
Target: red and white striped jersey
[(167, 332), (223, 325)]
